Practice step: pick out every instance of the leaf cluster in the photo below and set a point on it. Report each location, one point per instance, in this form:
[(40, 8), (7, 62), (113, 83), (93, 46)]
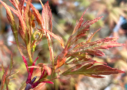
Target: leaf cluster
[(76, 55)]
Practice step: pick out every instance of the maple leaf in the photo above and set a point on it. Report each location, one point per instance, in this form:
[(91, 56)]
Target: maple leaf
[(77, 54), (93, 70)]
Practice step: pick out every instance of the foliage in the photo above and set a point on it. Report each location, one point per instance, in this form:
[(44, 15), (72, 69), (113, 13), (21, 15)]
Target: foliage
[(8, 75), (110, 8), (76, 55)]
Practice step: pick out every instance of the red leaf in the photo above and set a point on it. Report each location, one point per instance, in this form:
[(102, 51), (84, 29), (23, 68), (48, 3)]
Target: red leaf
[(89, 23), (94, 71), (79, 23), (99, 44), (71, 70)]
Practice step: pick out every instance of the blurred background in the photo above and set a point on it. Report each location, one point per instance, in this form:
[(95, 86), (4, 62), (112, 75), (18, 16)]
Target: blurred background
[(66, 13)]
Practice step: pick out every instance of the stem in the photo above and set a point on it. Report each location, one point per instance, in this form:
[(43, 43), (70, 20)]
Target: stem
[(28, 45), (51, 52), (29, 52), (41, 4), (28, 35)]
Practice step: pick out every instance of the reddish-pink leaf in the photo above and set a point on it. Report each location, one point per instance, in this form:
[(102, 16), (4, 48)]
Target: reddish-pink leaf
[(21, 5), (96, 76), (79, 23), (95, 52), (78, 66), (109, 45), (99, 44), (47, 17), (89, 23), (27, 9)]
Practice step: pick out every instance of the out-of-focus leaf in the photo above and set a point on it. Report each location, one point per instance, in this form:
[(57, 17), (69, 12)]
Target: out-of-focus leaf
[(123, 54), (4, 49), (15, 3), (112, 11), (4, 77), (120, 64), (21, 46)]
